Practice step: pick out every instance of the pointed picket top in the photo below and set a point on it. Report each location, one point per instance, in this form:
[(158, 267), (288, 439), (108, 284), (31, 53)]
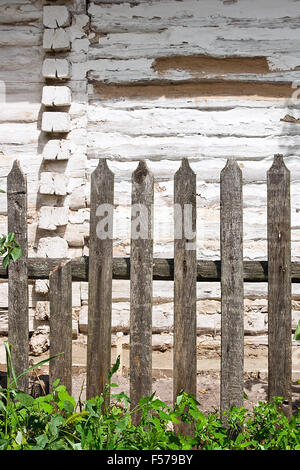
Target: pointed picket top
[(230, 179), (185, 168), (102, 169), (141, 172), (185, 184), (16, 180), (231, 167), (278, 165)]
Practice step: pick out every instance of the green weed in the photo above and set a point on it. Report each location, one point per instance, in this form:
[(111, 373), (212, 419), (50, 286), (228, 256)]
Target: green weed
[(56, 422)]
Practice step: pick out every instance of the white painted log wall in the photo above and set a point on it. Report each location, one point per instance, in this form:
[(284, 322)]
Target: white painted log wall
[(135, 106)]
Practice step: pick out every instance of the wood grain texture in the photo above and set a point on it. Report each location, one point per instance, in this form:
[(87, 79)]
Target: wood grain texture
[(163, 269), (194, 13), (18, 319), (279, 283), (185, 275), (232, 288), (161, 121), (60, 296), (218, 33), (100, 282), (193, 118), (141, 275), (187, 55)]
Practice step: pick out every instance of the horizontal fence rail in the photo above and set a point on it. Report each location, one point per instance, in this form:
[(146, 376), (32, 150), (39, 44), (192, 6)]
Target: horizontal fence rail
[(163, 269), (100, 268)]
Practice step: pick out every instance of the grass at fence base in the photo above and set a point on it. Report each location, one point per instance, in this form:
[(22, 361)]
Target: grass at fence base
[(56, 422)]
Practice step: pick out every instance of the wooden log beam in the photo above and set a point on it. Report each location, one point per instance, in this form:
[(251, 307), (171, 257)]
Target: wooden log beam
[(163, 269)]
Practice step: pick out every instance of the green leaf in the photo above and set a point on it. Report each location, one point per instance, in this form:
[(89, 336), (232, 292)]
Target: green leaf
[(121, 425), (11, 237), (173, 418), (10, 367), (42, 441), (297, 332), (68, 406), (64, 396), (159, 404), (46, 407), (146, 400), (16, 253), (6, 261), (4, 444), (58, 420), (74, 446), (114, 368), (179, 399), (55, 383), (24, 399), (195, 413), (77, 417), (2, 406), (163, 415)]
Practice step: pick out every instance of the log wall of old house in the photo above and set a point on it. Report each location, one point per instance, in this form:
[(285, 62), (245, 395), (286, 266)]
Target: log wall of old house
[(156, 80)]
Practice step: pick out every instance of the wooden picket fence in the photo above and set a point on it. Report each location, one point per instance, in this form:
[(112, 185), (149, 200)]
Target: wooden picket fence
[(100, 268)]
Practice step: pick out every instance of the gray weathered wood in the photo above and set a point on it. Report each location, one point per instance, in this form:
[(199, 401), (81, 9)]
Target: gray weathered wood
[(163, 269), (279, 283), (232, 289), (185, 277), (141, 274), (18, 322), (60, 296), (100, 281)]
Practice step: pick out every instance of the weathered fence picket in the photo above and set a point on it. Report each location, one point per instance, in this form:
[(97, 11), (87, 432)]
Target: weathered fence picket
[(279, 283), (60, 296), (141, 274), (18, 319), (185, 282), (100, 279), (232, 287), (100, 268)]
